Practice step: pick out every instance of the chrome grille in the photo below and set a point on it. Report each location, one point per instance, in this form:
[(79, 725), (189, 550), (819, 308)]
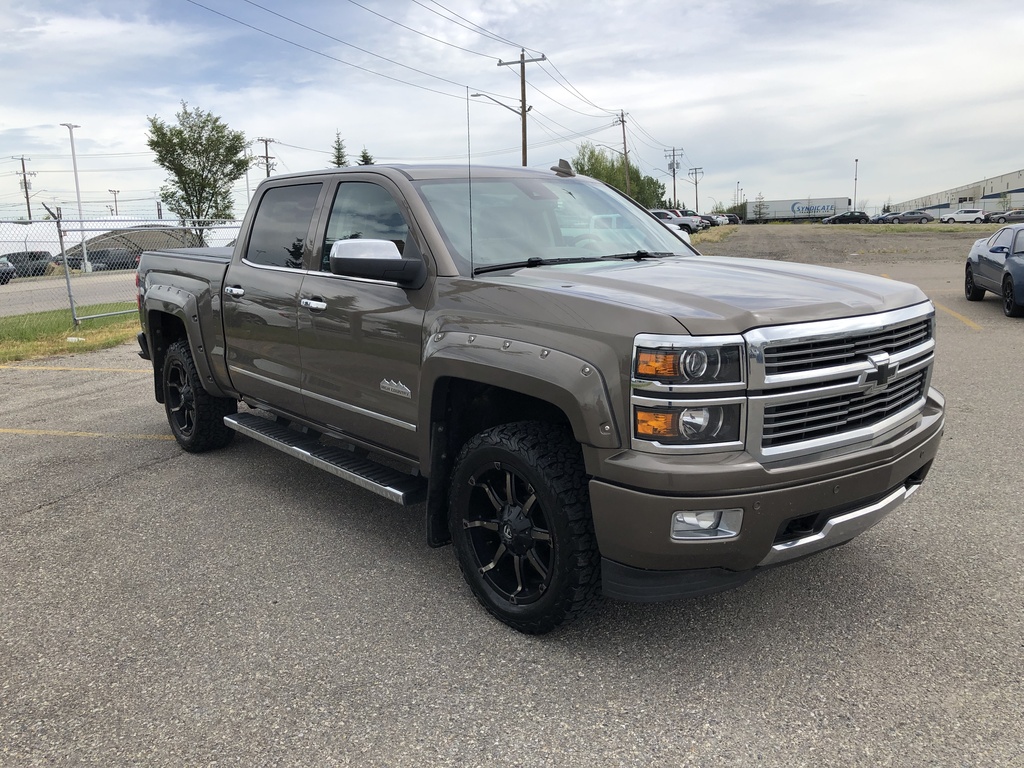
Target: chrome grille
[(826, 353), (812, 419)]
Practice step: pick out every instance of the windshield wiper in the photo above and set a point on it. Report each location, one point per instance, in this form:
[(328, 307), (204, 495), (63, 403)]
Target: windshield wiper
[(535, 261), (639, 255)]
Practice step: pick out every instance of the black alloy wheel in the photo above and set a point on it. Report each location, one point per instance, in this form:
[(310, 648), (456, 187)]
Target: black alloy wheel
[(1010, 306), (195, 416), (519, 516), (971, 290)]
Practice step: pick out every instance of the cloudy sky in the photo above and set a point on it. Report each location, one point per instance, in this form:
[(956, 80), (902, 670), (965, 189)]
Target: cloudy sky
[(785, 99)]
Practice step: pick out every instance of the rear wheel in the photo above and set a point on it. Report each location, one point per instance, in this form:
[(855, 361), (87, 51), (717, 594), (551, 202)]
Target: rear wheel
[(196, 417), (977, 220), (924, 221), (972, 291), (520, 521), (1010, 306)]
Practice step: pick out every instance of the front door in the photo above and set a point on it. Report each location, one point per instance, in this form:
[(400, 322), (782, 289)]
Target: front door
[(361, 340)]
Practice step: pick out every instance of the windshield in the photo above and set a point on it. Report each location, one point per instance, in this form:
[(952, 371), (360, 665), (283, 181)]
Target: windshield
[(514, 220)]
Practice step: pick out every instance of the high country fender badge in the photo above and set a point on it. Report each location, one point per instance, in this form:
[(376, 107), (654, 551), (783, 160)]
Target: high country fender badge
[(395, 388)]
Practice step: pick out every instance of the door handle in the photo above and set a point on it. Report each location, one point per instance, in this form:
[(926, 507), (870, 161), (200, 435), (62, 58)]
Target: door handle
[(314, 305), (234, 290)]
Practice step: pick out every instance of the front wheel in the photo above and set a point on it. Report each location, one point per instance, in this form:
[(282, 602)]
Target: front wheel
[(971, 290), (924, 221), (1010, 306), (196, 417), (520, 521), (896, 221), (1001, 220)]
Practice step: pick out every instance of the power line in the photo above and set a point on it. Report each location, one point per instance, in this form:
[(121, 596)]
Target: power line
[(472, 27), (351, 45), (421, 34), (325, 55)]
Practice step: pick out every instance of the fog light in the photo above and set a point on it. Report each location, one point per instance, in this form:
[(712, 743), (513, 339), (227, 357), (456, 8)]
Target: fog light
[(706, 524)]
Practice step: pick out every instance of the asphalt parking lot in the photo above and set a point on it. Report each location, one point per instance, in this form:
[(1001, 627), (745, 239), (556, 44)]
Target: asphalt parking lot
[(242, 608)]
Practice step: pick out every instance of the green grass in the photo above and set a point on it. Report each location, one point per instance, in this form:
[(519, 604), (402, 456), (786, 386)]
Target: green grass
[(43, 334)]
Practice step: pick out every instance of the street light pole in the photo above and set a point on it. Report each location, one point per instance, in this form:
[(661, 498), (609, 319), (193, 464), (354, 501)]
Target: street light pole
[(855, 183), (114, 193), (522, 113), (86, 266)]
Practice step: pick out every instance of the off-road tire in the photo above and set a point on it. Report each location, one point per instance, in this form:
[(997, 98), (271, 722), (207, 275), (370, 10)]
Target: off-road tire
[(519, 516), (971, 290), (195, 416)]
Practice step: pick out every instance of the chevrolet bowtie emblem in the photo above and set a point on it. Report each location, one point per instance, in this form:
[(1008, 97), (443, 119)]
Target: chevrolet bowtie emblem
[(882, 371)]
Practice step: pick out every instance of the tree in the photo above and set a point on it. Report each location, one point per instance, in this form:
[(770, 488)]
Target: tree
[(365, 158), (204, 158), (760, 207), (601, 165), (340, 158)]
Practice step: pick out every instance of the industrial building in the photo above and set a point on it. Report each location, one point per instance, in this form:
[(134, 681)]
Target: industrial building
[(999, 193)]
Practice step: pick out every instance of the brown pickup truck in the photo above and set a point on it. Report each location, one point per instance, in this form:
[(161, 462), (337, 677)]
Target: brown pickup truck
[(581, 402)]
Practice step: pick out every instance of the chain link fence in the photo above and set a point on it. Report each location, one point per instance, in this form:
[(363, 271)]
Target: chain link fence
[(85, 269)]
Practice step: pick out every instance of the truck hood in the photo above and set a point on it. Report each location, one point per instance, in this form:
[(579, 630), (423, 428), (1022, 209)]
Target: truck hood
[(712, 295)]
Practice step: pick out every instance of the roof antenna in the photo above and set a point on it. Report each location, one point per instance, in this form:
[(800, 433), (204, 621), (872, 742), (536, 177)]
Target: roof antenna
[(564, 168)]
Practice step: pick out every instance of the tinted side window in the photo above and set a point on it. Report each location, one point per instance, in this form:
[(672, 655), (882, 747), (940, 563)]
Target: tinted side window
[(281, 225), (367, 211), (1018, 243), (1002, 237)]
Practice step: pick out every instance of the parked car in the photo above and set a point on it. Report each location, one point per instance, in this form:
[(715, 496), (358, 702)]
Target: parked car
[(880, 218), (996, 264), (733, 218), (1005, 217), (29, 263), (7, 271), (113, 258), (964, 216), (850, 217), (689, 224), (710, 219), (909, 217)]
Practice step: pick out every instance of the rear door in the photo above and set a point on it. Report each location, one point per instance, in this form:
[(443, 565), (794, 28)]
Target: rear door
[(361, 339), (260, 297)]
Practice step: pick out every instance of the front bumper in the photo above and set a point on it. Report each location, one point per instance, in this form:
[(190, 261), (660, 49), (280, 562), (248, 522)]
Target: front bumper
[(641, 562)]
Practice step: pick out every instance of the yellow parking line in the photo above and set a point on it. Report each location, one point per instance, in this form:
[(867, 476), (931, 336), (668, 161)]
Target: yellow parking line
[(71, 368), (969, 323), (60, 433)]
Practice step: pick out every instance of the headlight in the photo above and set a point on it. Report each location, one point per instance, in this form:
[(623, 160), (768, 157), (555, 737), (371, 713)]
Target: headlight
[(688, 424), (696, 365)]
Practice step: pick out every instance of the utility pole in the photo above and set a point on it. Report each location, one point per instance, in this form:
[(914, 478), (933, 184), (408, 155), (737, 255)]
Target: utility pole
[(25, 183), (266, 152), (695, 174), (114, 192), (625, 149), (523, 61), (673, 165)]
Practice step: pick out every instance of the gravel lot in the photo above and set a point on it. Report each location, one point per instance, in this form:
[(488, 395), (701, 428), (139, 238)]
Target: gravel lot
[(241, 608)]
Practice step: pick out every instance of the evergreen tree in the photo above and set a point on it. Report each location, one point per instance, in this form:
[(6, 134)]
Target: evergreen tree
[(204, 158), (340, 159), (365, 158)]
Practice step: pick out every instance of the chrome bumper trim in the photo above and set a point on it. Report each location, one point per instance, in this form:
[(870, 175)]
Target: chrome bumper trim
[(839, 529)]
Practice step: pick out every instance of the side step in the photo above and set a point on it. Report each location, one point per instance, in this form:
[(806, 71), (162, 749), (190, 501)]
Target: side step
[(384, 481)]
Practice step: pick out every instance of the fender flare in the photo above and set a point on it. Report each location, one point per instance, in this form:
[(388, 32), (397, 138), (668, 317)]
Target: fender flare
[(183, 305), (572, 384)]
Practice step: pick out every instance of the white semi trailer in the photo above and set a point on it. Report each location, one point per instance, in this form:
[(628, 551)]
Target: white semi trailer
[(804, 209)]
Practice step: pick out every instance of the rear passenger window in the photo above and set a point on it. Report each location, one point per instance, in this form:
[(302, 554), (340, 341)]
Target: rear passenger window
[(281, 225)]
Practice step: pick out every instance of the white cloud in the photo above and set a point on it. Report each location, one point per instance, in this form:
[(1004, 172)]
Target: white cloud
[(780, 96)]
